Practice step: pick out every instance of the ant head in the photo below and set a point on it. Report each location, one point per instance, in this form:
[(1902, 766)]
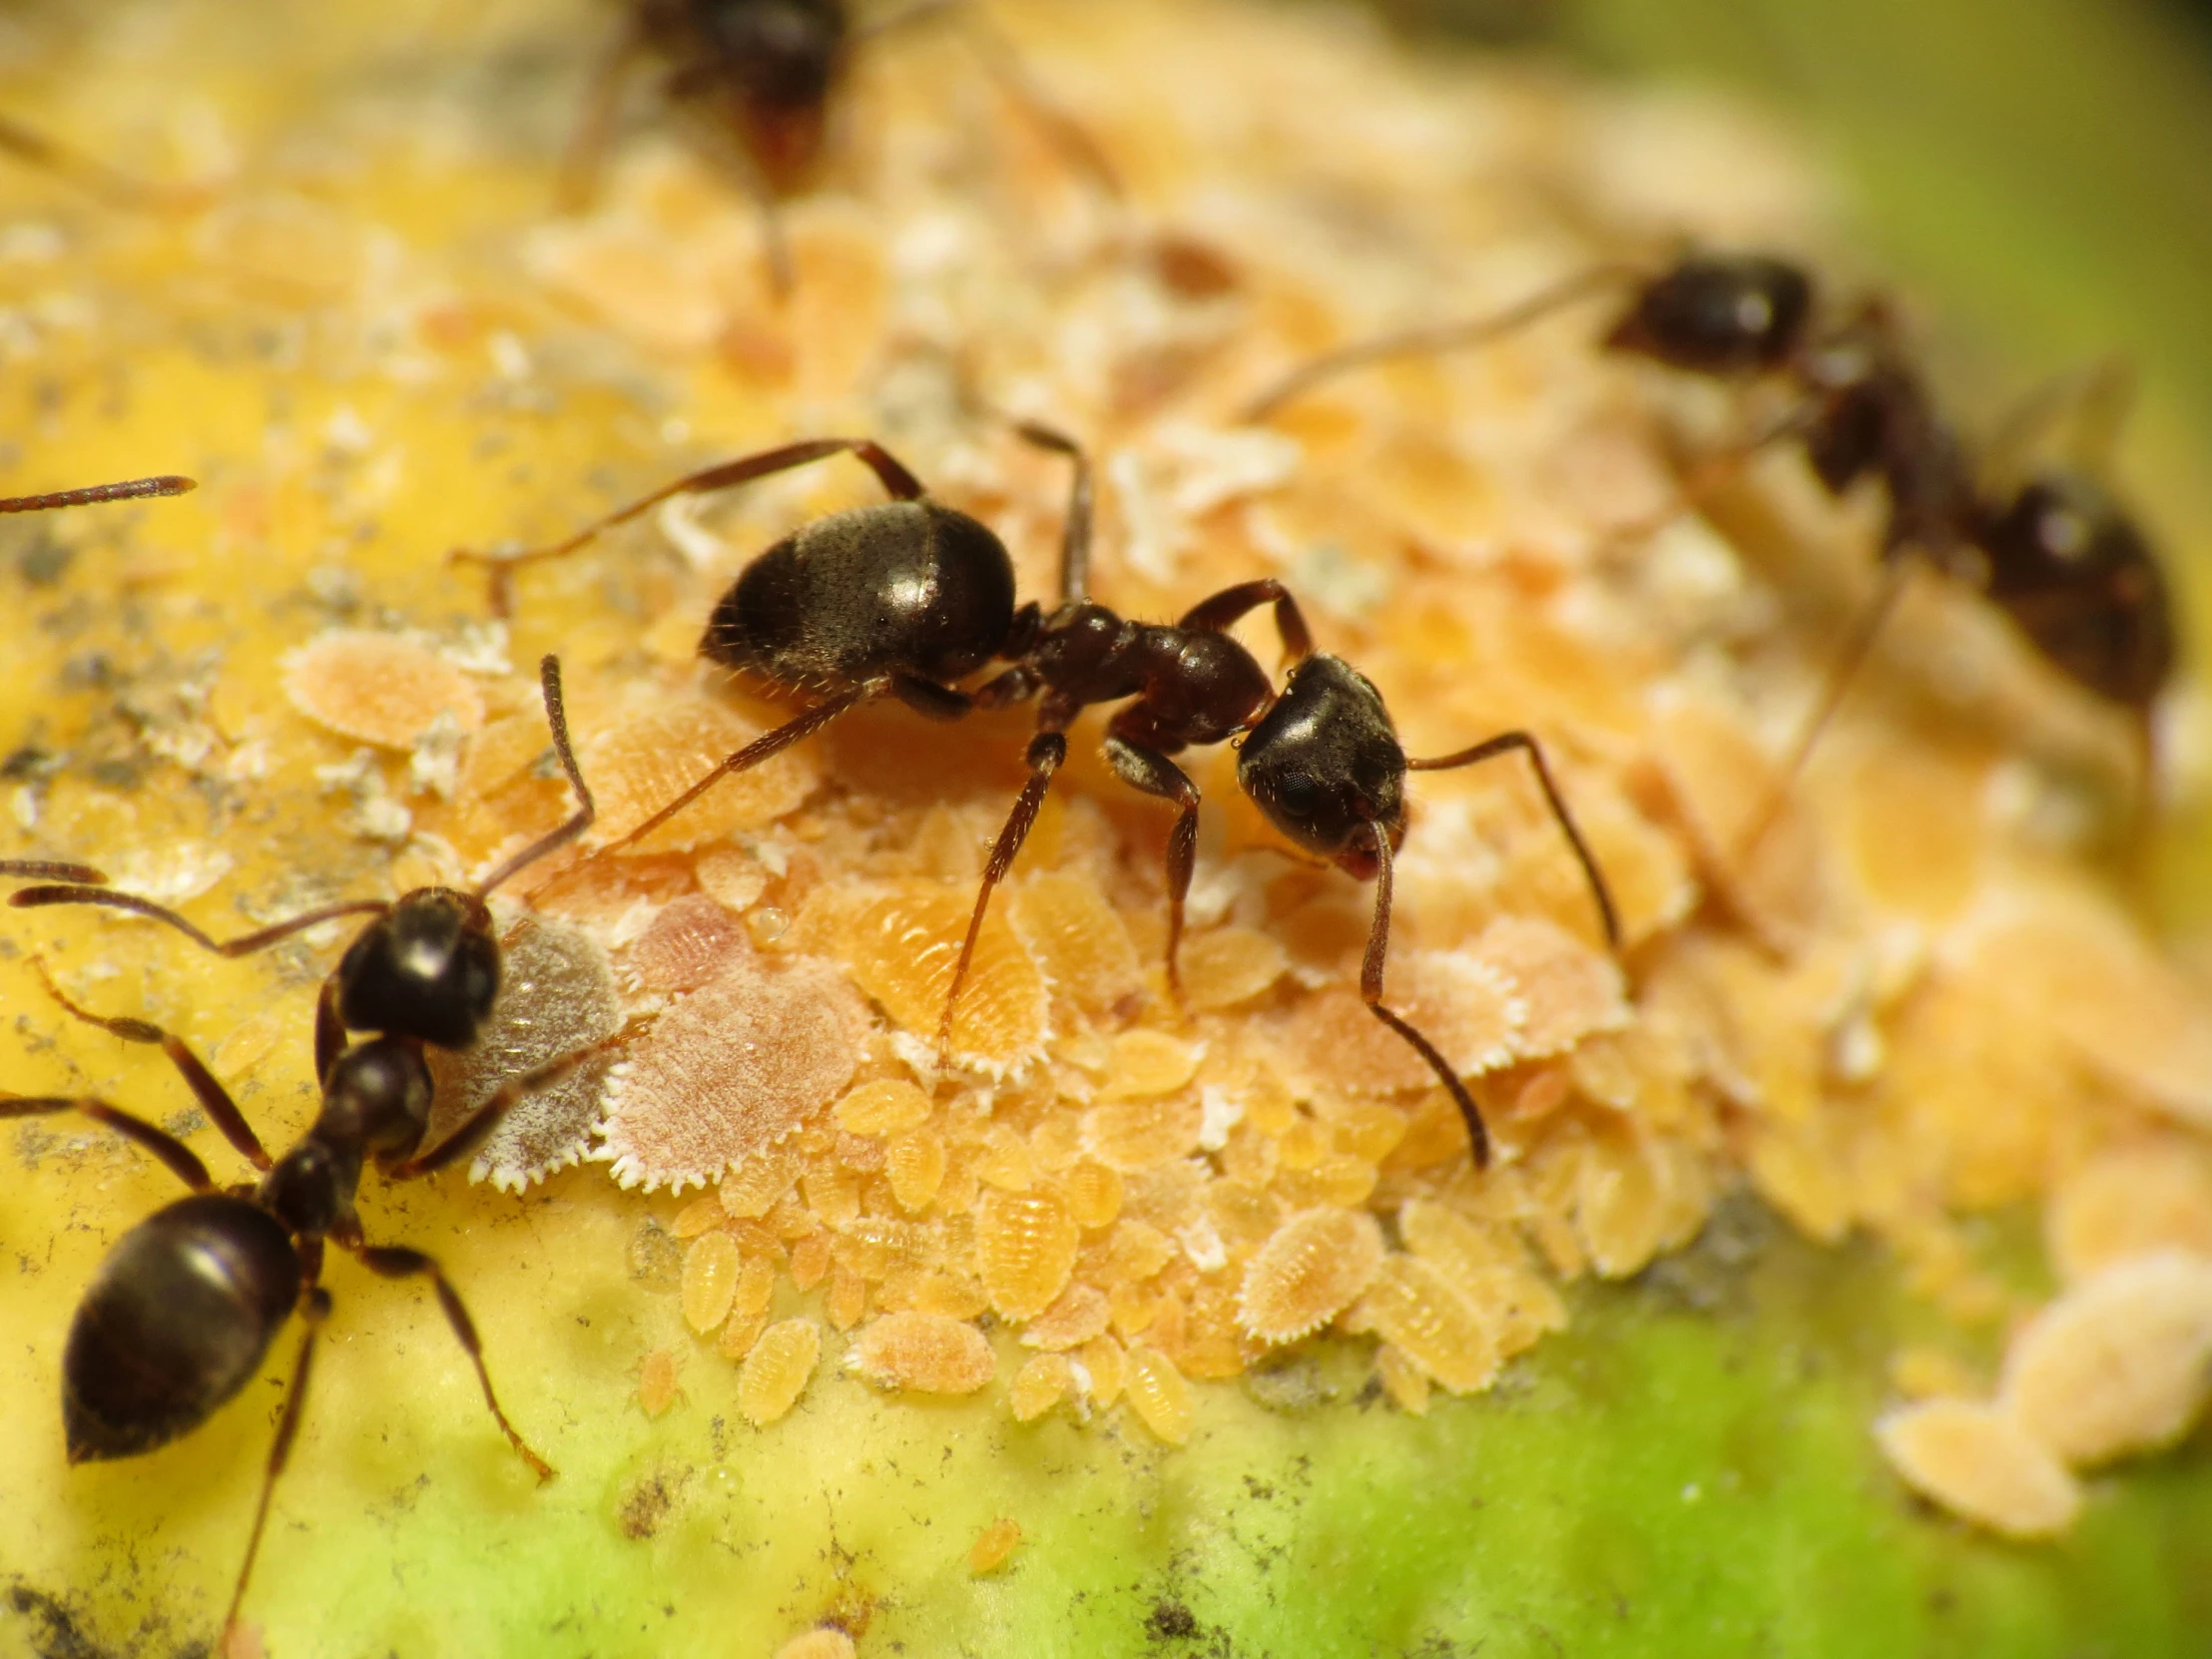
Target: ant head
[(429, 969), (1739, 314), (1324, 762), (774, 61)]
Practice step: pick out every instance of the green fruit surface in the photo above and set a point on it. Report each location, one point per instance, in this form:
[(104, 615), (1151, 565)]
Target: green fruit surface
[(1687, 1470)]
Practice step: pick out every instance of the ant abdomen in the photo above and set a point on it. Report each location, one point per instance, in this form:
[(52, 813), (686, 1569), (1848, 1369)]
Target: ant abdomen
[(175, 1322), (2079, 577), (909, 587)]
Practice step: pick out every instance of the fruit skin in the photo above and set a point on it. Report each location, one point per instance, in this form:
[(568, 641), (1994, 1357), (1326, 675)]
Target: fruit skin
[(1687, 1469)]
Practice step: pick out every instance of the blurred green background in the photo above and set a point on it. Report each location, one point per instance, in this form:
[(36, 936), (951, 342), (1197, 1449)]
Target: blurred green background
[(2035, 176)]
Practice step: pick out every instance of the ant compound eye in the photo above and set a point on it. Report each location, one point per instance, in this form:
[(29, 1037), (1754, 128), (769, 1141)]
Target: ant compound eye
[(1298, 794)]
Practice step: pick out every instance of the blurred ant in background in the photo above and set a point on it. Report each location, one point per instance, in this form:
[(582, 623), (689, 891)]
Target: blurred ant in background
[(765, 73), (906, 598), (182, 1311), (2055, 551)]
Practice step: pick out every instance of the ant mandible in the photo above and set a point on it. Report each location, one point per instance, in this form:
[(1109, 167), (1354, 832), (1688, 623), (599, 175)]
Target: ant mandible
[(905, 598), (2058, 556), (163, 1338)]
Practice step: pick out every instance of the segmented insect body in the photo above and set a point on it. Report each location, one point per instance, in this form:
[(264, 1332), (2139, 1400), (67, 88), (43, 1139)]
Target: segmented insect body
[(183, 1308), (2058, 554), (904, 599)]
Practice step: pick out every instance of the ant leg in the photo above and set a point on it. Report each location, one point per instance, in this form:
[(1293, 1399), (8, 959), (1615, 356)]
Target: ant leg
[(1707, 477), (896, 481), (1451, 336), (95, 178), (1003, 63), (1047, 750), (1075, 534), (131, 490), (177, 1158), (1222, 611), (214, 1098), (931, 699), (1525, 740), (762, 748), (1153, 773), (479, 1124), (587, 145), (1370, 992), (400, 1262), (556, 719), (54, 870), (1017, 684), (314, 1308), (329, 1030), (1841, 673), (245, 946), (918, 12), (2144, 796), (776, 242)]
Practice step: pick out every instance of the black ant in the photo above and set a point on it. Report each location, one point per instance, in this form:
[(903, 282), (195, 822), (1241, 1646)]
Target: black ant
[(182, 1311), (2058, 555), (766, 72), (906, 598)]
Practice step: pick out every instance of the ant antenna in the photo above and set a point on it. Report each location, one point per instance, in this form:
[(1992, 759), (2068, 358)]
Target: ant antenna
[(578, 177), (1003, 63), (1857, 644), (86, 885), (1075, 532), (54, 870), (556, 717), (1370, 992), (131, 490), (95, 178), (896, 481), (1499, 745), (25, 899), (1451, 336)]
